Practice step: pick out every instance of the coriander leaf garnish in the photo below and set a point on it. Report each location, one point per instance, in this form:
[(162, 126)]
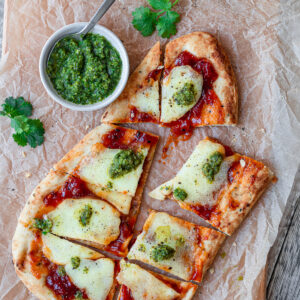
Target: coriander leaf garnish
[(144, 20), (13, 107), (164, 19), (166, 24), (160, 4), (28, 131)]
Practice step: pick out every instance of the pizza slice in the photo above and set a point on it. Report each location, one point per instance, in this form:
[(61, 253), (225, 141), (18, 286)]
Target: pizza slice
[(198, 86), (93, 194), (139, 102), (54, 268), (139, 284), (217, 184), (176, 246)]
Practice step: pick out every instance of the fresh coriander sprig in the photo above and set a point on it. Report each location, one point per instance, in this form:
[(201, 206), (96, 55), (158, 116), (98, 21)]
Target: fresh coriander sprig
[(163, 19), (27, 131)]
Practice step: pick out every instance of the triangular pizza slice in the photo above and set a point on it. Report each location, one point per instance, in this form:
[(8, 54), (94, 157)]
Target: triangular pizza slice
[(54, 268), (217, 184), (198, 86), (139, 284), (139, 101), (176, 246), (93, 194)]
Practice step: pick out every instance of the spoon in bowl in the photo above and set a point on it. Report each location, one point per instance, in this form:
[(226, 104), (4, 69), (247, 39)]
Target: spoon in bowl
[(91, 24)]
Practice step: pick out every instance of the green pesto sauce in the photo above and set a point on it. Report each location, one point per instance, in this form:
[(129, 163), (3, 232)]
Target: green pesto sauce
[(212, 166), (85, 215), (75, 261), (86, 71), (186, 95), (124, 162), (162, 252), (180, 194)]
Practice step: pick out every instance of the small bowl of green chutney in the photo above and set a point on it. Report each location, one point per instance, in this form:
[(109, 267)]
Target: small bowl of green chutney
[(86, 74)]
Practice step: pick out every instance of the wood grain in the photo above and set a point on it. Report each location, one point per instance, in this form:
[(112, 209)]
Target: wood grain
[(283, 277)]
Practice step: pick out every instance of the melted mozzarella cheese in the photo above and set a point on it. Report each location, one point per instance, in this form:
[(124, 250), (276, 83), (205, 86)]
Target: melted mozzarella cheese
[(60, 251), (170, 110), (95, 277), (192, 180), (181, 263), (95, 170), (103, 227), (144, 285), (147, 100)]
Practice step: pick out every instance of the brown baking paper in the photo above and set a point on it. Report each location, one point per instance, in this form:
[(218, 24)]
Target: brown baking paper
[(262, 39)]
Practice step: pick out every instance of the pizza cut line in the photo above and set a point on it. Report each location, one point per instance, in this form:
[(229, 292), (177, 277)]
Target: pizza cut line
[(139, 284), (181, 248), (198, 88), (217, 184)]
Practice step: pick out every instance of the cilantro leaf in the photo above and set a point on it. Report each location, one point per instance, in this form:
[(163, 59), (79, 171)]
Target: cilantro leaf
[(35, 134), (160, 4), (28, 131), (164, 20), (166, 24), (144, 20), (20, 139), (13, 107)]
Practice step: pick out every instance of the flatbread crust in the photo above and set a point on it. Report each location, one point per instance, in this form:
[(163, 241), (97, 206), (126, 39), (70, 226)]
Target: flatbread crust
[(205, 45), (21, 249), (119, 110), (194, 257), (241, 187), (186, 290), (61, 172)]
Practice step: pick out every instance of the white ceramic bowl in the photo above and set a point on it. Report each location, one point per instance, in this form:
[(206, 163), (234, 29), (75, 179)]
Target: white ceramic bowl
[(72, 28)]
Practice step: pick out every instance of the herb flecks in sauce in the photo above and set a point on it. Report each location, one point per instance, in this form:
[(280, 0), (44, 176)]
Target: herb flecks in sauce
[(85, 215), (162, 252), (212, 166), (86, 71), (45, 225), (180, 194), (124, 162), (186, 95), (61, 271)]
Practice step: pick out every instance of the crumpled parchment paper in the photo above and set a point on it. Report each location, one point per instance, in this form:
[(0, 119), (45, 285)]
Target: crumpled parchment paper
[(262, 39)]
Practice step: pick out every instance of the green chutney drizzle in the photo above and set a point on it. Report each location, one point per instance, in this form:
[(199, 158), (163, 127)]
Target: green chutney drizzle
[(86, 71)]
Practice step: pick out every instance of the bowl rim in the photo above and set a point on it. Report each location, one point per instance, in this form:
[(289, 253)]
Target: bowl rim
[(65, 31)]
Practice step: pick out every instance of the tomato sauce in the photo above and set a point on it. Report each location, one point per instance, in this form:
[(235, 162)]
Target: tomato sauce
[(154, 74), (74, 187), (208, 110), (117, 139), (62, 285), (40, 265), (204, 211), (125, 293), (138, 116), (119, 246)]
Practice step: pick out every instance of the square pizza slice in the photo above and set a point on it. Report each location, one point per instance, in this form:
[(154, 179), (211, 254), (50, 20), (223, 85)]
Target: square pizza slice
[(139, 101), (54, 268), (139, 284), (217, 184), (176, 246), (93, 194)]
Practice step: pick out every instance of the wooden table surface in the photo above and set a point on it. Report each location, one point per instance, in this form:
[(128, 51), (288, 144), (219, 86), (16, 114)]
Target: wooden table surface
[(283, 272)]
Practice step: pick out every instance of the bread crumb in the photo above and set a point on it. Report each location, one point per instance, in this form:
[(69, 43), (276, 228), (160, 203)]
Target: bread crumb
[(23, 154), (243, 163), (27, 174), (87, 127), (211, 270)]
